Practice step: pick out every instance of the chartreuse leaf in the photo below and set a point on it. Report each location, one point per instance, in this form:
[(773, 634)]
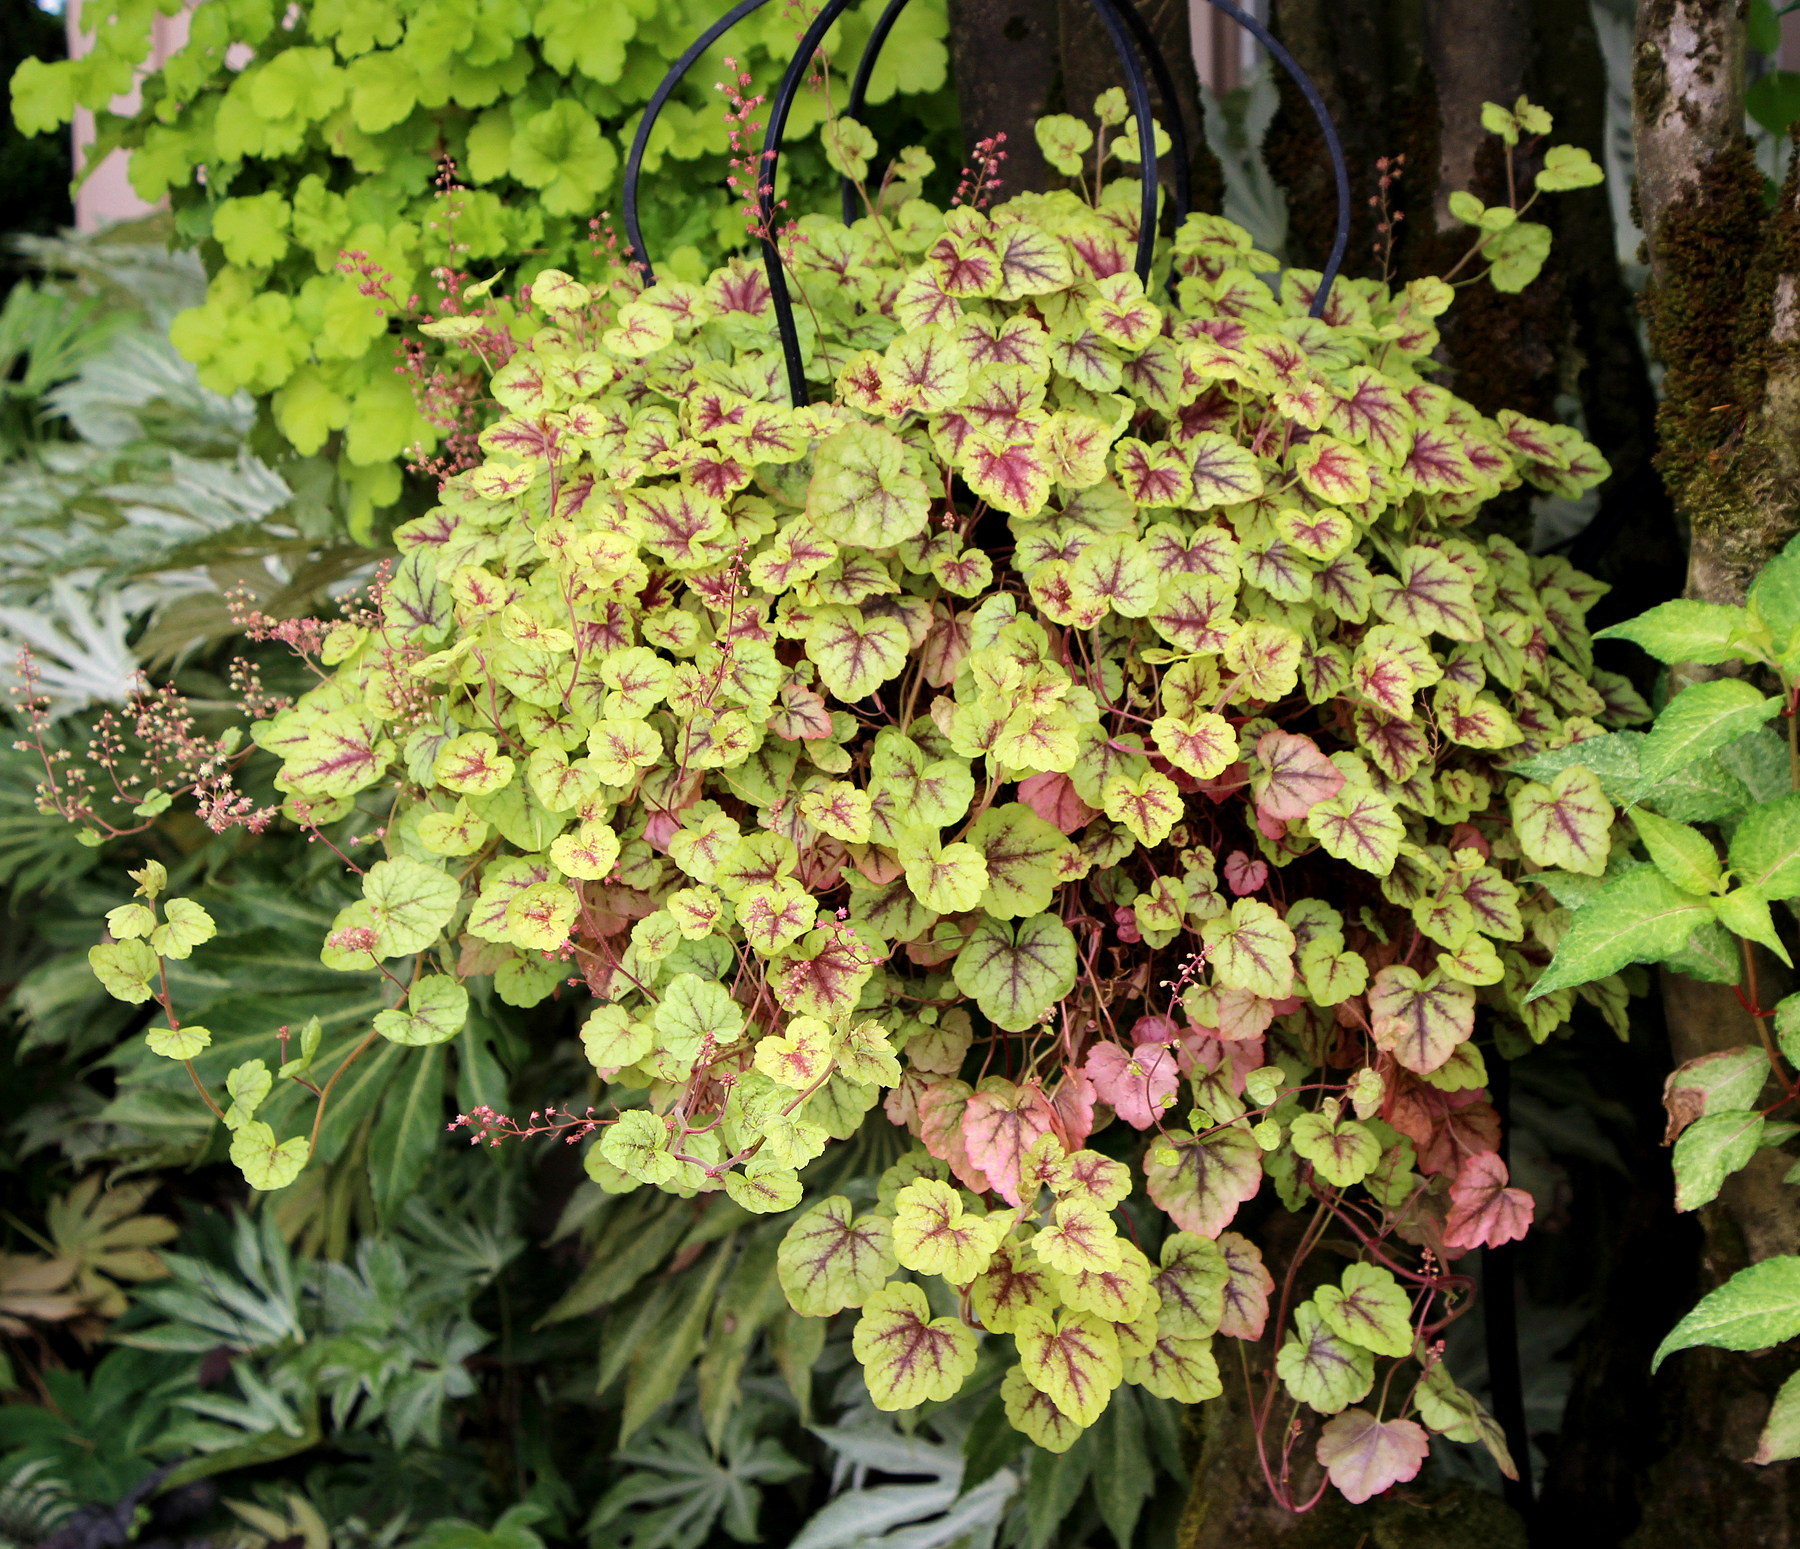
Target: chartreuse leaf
[(1251, 949), (1747, 914), (1709, 1151), (1011, 1283), (1191, 1284), (124, 969), (410, 903), (1368, 1307), (1765, 849), (248, 1085), (1780, 1437), (830, 1259), (186, 925), (436, 1008), (1032, 1411), (1701, 719), (1072, 1359), (1321, 1368), (1683, 631), (181, 1043), (909, 1357), (1565, 823), (1638, 917), (265, 1162), (1682, 854), (1341, 1150), (1017, 973), (934, 1236), (1774, 606), (1756, 1308)]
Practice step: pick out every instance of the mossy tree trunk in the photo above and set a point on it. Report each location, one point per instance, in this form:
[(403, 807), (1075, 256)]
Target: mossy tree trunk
[(1724, 312)]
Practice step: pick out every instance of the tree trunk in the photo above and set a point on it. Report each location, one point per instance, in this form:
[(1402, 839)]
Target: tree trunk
[(1005, 58)]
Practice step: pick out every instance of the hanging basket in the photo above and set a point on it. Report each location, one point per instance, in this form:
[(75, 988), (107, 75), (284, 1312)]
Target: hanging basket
[(1124, 25)]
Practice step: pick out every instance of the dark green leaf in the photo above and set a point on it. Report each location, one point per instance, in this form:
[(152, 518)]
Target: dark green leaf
[(409, 1130)]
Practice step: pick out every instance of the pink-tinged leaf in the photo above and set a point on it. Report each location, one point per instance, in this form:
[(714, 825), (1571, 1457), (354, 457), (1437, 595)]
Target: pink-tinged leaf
[(1365, 1456), (1209, 1179), (1247, 1288), (1152, 475), (1483, 1210), (1420, 1021), (940, 1105), (799, 713), (1013, 476), (1193, 613), (1336, 473), (1295, 776), (1000, 1124), (1213, 411), (824, 975), (1437, 463), (1243, 875), (1053, 798), (1134, 1081), (908, 1356), (1397, 747), (1431, 595), (1224, 473), (1371, 411), (1072, 1106)]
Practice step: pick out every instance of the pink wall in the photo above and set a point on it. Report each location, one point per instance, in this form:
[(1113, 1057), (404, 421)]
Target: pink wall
[(107, 196)]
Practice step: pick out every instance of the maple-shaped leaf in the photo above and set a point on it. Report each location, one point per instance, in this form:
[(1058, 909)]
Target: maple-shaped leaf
[(1338, 474), (1009, 1284), (1420, 1021), (863, 1054), (829, 1259), (1022, 853), (1293, 777), (1567, 823), (1224, 473), (1363, 1456), (1011, 473), (1191, 1284), (1368, 1307), (865, 488), (923, 371), (1193, 613), (1246, 1295), (1152, 475), (934, 1236), (1033, 1412), (1074, 1360), (1150, 805), (1360, 826), (949, 879), (909, 1357), (797, 1058), (824, 974), (1483, 1210), (855, 655), (1203, 744), (1136, 1082), (1120, 1294), (1333, 976), (1080, 1237), (1450, 1410), (1017, 973), (1000, 1125), (1180, 1369), (1320, 535), (1432, 594), (1209, 1178), (1319, 1367), (1341, 1150), (1121, 314), (774, 915), (1251, 948), (1370, 410)]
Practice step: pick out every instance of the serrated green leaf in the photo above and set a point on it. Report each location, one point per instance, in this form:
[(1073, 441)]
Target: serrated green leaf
[(1756, 1308), (1638, 917)]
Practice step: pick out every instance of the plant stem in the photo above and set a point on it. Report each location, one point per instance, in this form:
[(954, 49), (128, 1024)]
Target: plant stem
[(319, 1117)]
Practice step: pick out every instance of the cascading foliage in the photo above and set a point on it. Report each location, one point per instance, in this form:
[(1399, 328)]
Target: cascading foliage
[(1081, 737)]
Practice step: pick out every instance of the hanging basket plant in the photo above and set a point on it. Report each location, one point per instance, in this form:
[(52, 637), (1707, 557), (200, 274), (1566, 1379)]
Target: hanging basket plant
[(991, 678)]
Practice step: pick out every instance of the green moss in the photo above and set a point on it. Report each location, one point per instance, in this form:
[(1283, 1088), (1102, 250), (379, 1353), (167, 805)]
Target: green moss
[(1727, 422)]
